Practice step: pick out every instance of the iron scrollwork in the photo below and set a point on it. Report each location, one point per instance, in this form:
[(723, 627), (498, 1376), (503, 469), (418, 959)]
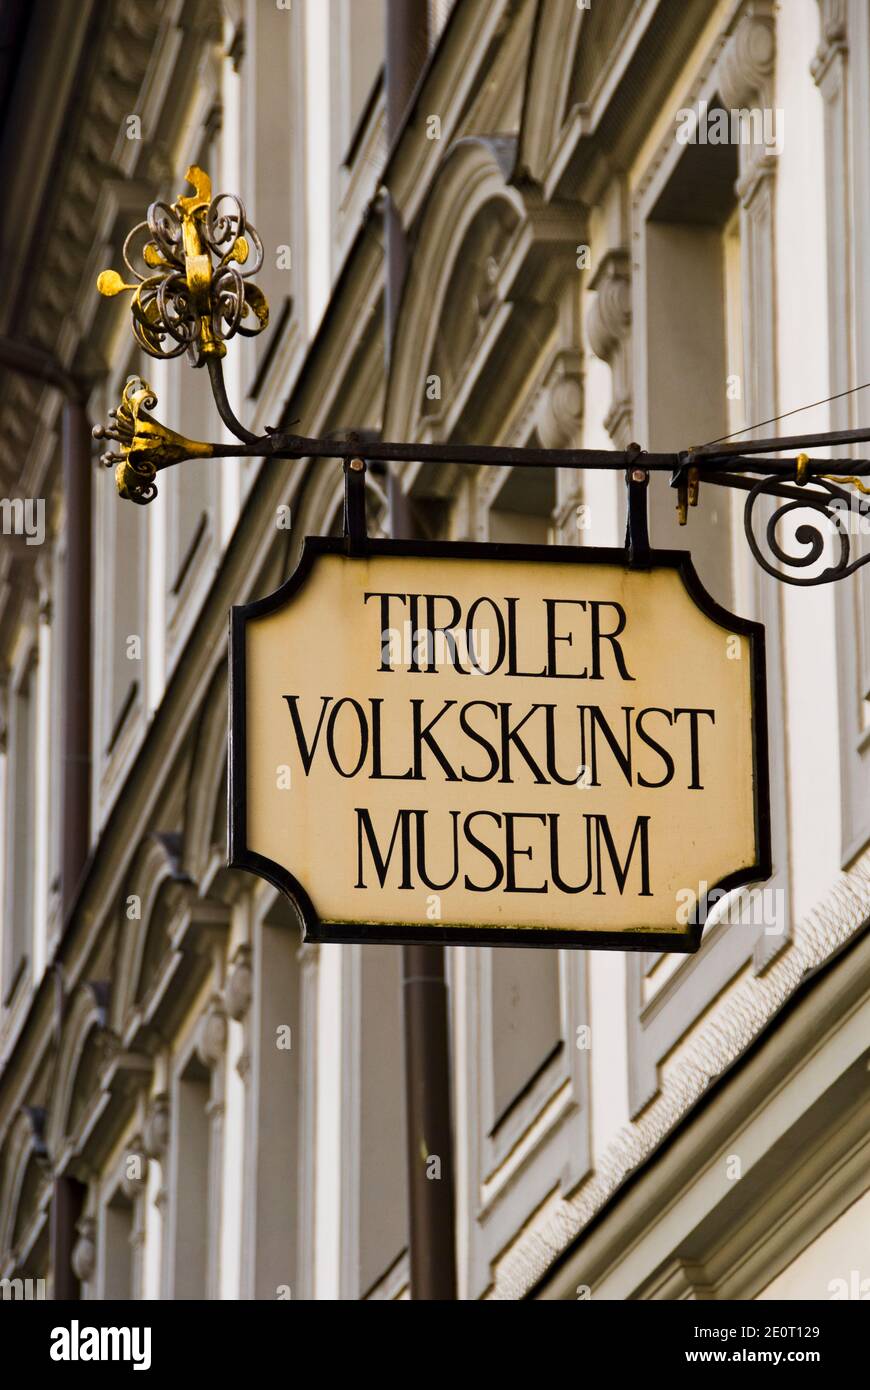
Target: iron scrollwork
[(826, 500), (195, 293)]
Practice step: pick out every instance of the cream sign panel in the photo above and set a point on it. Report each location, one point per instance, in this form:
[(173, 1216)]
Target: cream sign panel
[(497, 743)]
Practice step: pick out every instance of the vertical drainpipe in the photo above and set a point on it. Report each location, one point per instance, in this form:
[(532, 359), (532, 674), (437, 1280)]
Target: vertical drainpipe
[(75, 729), (424, 988)]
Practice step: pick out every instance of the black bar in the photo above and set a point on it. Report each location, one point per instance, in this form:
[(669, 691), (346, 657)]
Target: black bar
[(431, 1216), (355, 505), (431, 1204), (222, 401), (791, 441), (280, 445), (637, 521)]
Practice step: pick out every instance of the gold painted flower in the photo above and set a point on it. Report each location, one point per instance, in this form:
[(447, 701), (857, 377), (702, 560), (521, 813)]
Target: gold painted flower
[(192, 295), (146, 445)]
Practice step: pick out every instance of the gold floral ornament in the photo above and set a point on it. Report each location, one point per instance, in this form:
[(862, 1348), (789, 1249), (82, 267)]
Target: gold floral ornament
[(146, 445), (192, 296)]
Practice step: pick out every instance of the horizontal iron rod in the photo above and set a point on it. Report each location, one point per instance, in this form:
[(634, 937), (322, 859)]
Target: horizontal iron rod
[(792, 441), (279, 445), (772, 489), (297, 446)]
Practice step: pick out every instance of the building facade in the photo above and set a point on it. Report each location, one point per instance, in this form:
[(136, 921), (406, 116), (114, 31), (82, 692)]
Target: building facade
[(215, 1105)]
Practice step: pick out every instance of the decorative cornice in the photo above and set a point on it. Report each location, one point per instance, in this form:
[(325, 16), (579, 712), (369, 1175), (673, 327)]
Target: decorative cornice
[(134, 1169), (84, 1255), (609, 318), (833, 21), (239, 986), (211, 1037), (608, 326), (155, 1136), (762, 168), (746, 80), (559, 411), (747, 62)]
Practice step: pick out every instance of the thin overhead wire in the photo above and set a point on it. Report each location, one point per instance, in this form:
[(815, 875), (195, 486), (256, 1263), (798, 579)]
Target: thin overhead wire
[(773, 420)]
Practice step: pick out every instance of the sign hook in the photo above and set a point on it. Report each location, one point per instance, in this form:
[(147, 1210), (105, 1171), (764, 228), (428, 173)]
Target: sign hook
[(637, 524), (355, 533)]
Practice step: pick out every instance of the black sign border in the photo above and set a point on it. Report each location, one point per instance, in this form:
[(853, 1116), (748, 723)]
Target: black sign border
[(240, 857)]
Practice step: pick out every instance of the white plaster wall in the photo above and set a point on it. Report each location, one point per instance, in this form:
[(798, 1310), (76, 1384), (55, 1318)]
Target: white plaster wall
[(809, 627), (329, 1155), (232, 1194), (318, 154), (836, 1265)]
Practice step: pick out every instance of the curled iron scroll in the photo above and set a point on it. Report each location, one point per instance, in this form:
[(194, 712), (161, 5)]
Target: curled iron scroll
[(832, 505)]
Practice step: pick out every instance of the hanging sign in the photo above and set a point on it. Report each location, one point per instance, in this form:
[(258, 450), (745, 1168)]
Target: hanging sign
[(486, 743)]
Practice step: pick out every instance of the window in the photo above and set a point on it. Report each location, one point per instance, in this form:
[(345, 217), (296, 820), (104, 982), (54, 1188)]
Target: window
[(20, 826), (120, 639), (524, 986), (361, 30), (273, 1159), (705, 285), (692, 289), (193, 488), (189, 1252), (375, 1176), (523, 508), (125, 659), (273, 93), (358, 138), (117, 1253)]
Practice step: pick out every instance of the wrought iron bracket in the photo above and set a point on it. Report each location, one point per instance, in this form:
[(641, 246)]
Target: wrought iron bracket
[(637, 518), (355, 532), (191, 294)]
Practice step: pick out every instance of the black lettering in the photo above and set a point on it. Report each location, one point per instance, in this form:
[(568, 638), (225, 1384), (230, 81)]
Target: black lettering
[(363, 736), (469, 636), (381, 862), (385, 624), (655, 746), (485, 850), (511, 736), (478, 738), (553, 637), (445, 631), (423, 734), (620, 871), (377, 773), (511, 851), (554, 857), (512, 669), (421, 852), (554, 774), (695, 785), (598, 637), (305, 753)]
